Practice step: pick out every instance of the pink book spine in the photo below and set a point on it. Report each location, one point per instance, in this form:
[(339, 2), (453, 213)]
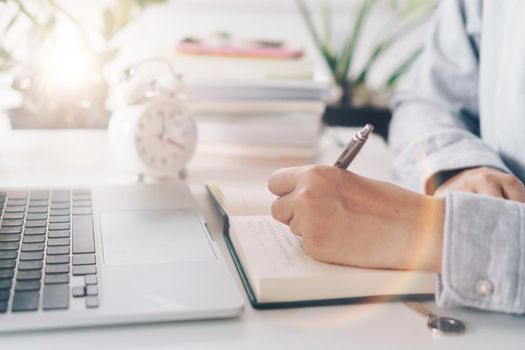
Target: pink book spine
[(259, 52)]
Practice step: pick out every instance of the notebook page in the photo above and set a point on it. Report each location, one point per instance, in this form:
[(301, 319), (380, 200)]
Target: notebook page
[(274, 250), (242, 200), (280, 270)]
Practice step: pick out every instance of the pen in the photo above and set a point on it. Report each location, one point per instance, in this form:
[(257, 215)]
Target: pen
[(354, 146)]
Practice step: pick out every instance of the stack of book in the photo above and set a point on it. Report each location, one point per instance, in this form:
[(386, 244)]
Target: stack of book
[(253, 96)]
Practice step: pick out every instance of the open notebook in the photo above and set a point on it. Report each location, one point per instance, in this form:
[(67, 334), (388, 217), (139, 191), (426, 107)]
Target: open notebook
[(277, 272)]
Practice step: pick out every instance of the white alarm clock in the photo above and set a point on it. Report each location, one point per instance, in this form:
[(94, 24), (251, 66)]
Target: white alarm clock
[(152, 132)]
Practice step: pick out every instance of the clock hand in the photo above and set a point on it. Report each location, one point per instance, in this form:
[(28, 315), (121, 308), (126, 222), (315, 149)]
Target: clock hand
[(163, 128), (175, 143)]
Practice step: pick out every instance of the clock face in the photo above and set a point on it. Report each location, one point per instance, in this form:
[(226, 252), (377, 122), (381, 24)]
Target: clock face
[(165, 137)]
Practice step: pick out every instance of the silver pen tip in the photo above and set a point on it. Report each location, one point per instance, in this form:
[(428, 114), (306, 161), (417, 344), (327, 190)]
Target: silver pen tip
[(367, 130)]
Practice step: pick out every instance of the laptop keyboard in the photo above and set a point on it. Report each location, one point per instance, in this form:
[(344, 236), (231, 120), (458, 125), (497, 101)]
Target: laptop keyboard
[(46, 241)]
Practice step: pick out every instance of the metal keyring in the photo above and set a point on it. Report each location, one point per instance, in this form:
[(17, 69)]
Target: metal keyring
[(440, 325), (445, 325)]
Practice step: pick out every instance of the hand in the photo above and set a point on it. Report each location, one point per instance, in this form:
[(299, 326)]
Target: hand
[(348, 219), (488, 181)]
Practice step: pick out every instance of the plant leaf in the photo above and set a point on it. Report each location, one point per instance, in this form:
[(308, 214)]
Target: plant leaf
[(7, 61), (345, 60), (376, 53), (323, 49), (123, 13), (327, 22), (403, 68), (10, 24), (414, 14), (26, 13), (49, 25), (144, 3), (6, 67), (4, 54), (106, 56), (385, 44), (108, 23)]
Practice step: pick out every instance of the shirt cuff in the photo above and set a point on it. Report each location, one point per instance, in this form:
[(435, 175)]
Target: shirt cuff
[(464, 154), (483, 254)]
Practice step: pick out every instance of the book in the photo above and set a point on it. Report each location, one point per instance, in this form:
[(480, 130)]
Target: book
[(277, 272), (227, 57), (217, 67), (290, 129), (224, 45), (219, 78), (265, 129), (257, 89), (251, 107)]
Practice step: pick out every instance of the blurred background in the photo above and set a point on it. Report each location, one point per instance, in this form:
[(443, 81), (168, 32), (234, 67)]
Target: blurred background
[(337, 61)]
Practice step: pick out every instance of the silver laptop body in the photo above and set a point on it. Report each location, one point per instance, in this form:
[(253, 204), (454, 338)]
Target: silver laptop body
[(150, 258)]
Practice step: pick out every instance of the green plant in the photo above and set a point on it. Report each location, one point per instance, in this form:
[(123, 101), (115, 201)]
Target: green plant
[(411, 14), (57, 61)]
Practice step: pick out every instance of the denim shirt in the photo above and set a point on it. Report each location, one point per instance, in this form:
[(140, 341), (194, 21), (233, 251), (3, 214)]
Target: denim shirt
[(463, 105)]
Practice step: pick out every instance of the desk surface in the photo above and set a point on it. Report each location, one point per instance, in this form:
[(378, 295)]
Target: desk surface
[(68, 158)]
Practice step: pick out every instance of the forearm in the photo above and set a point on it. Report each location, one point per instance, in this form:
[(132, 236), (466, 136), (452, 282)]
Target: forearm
[(426, 244)]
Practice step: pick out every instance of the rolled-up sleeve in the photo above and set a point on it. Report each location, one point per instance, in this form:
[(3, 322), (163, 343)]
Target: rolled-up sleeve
[(435, 122), (483, 254), (435, 128)]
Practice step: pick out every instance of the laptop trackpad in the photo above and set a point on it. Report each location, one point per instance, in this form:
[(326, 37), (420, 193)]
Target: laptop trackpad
[(153, 237)]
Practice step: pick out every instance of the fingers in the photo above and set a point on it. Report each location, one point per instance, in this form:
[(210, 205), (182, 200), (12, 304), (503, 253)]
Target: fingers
[(513, 189), (493, 190), (440, 192), (282, 209), (283, 181), (488, 182), (488, 189), (294, 227)]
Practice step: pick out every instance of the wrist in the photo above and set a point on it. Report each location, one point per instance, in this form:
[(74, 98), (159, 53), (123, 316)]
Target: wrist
[(426, 235), (441, 178)]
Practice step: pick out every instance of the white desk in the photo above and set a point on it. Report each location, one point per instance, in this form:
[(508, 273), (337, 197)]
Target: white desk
[(63, 158)]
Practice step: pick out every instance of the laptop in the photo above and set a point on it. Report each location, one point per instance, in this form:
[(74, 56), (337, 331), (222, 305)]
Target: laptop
[(108, 255)]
